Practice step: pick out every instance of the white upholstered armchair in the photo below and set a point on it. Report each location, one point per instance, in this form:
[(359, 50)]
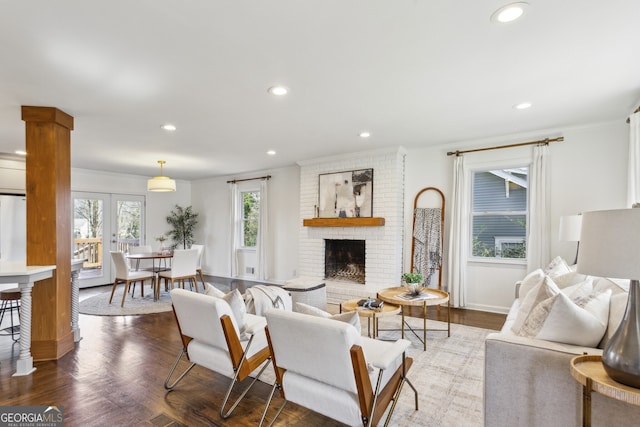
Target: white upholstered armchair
[(327, 366), (211, 338)]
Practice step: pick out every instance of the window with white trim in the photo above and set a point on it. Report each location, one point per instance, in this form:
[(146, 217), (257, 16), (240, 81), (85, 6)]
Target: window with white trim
[(499, 213), (250, 214)]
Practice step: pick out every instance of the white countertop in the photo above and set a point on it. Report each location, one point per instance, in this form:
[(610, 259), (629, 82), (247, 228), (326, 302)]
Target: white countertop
[(20, 272)]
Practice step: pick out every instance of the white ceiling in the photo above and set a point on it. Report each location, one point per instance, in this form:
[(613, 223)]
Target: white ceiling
[(412, 72)]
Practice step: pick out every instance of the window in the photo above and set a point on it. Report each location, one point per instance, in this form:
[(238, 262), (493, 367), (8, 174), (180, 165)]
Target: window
[(250, 218), (499, 213)]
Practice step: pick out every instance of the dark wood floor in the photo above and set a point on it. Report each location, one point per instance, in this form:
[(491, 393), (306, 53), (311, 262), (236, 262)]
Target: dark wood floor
[(115, 376)]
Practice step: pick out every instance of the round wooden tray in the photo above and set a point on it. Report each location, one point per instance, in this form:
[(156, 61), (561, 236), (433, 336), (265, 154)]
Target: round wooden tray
[(590, 366)]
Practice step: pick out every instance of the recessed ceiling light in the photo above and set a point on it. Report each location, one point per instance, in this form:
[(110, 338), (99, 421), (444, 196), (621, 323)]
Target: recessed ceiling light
[(365, 134), (169, 126), (509, 13), (20, 152), (523, 106), (271, 152), (278, 90)]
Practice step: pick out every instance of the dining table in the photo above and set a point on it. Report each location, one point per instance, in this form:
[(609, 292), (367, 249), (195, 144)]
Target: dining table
[(162, 265)]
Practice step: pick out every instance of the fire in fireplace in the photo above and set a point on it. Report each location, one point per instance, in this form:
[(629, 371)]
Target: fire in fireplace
[(344, 260)]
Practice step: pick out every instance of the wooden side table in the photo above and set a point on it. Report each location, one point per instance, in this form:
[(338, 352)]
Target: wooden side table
[(589, 371), (370, 314), (432, 297)]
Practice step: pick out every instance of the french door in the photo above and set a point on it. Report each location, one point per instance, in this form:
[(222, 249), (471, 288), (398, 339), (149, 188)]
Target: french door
[(104, 222)]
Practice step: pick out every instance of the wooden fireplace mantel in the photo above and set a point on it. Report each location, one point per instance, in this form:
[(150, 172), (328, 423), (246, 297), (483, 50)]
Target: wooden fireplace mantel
[(343, 222)]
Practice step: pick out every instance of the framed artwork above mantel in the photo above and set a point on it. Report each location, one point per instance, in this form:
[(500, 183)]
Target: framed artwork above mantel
[(346, 194)]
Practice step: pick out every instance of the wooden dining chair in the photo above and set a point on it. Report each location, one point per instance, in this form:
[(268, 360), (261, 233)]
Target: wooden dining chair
[(183, 267), (126, 276), (200, 249)]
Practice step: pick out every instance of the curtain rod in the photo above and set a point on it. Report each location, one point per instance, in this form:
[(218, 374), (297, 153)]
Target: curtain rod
[(637, 110), (545, 141), (233, 181)]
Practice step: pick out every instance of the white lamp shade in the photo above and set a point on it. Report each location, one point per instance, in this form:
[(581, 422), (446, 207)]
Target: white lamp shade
[(570, 228), (161, 184), (610, 244)]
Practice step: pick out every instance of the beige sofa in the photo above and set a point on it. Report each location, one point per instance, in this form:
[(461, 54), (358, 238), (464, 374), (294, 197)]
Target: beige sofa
[(528, 381)]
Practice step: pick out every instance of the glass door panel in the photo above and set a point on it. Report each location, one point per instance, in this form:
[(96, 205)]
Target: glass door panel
[(127, 213), (103, 223), (89, 226)]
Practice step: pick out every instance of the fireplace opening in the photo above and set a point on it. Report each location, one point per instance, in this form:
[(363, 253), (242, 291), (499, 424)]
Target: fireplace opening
[(344, 260)]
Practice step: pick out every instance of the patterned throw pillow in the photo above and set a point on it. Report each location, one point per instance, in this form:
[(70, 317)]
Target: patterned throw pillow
[(542, 291), (557, 267), (579, 322)]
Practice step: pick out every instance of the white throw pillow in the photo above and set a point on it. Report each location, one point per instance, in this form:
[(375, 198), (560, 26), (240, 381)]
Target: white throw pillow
[(213, 291), (578, 290), (350, 317), (530, 281), (238, 307), (582, 321), (309, 309), (542, 291), (569, 279)]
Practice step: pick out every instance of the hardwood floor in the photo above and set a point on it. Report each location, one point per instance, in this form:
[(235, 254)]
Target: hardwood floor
[(115, 376)]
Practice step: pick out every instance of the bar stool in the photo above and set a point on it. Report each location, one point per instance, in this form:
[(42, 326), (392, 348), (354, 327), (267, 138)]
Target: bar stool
[(10, 301)]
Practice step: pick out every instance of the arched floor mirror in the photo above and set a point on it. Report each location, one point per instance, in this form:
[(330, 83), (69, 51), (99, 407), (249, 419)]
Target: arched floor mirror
[(428, 235)]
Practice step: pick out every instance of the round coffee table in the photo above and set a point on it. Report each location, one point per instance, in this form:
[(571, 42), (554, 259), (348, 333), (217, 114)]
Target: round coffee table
[(375, 313), (428, 297)]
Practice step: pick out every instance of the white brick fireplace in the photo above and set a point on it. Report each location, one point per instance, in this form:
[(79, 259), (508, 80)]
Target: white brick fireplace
[(383, 244)]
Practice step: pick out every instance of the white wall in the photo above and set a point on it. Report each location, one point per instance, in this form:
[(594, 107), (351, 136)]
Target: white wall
[(210, 198), (13, 228), (158, 205), (12, 176), (587, 172)]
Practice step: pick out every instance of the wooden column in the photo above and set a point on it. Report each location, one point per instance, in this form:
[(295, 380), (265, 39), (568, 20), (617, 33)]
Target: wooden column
[(48, 185)]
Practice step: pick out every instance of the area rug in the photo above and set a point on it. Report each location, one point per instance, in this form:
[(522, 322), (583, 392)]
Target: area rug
[(98, 305), (448, 376)]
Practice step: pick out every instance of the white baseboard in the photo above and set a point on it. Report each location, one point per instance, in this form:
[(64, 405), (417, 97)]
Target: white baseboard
[(487, 308)]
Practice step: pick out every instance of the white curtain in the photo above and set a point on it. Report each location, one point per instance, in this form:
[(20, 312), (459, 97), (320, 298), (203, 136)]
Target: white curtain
[(234, 195), (459, 236), (538, 241), (263, 232), (633, 187)]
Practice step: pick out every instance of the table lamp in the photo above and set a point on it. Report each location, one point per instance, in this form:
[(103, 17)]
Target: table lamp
[(610, 247), (570, 230)]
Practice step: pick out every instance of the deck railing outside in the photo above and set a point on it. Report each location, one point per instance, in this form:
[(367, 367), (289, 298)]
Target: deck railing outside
[(91, 250)]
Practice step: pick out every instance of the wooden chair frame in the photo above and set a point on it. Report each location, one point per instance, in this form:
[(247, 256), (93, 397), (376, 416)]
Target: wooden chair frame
[(242, 366)]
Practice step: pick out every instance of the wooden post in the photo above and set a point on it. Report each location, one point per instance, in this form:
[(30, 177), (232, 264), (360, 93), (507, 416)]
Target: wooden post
[(48, 189)]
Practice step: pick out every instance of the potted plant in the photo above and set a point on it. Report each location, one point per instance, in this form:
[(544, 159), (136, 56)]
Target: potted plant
[(161, 239), (413, 282), (183, 221)]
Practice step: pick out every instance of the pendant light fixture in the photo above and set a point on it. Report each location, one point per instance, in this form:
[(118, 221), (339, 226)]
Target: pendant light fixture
[(161, 183)]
